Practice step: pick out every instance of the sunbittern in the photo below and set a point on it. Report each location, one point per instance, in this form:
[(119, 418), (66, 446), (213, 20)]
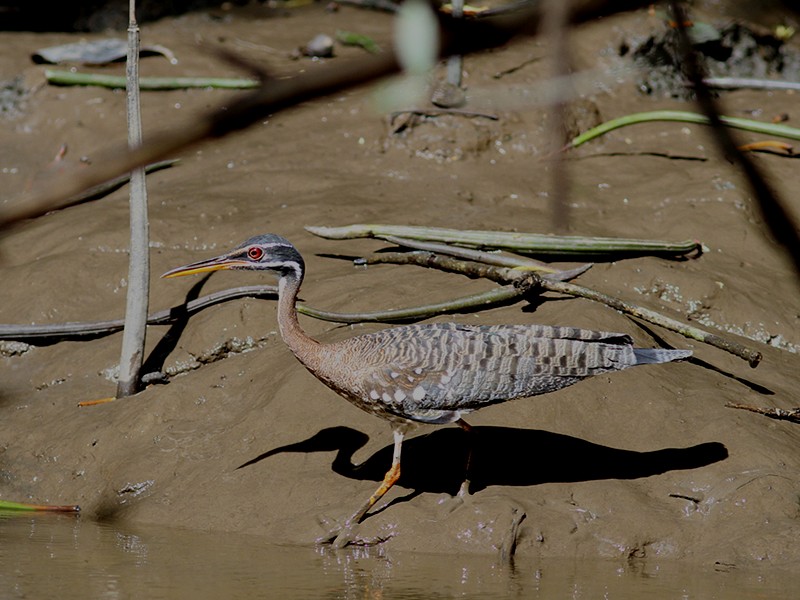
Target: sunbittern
[(432, 373)]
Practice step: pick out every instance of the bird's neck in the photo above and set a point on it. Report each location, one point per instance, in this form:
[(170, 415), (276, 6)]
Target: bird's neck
[(303, 346)]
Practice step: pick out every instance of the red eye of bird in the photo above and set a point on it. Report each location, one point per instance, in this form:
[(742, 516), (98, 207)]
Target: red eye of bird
[(255, 253)]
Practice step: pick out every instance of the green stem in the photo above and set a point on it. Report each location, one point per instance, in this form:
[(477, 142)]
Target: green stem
[(680, 116), (24, 506), (147, 83), (483, 300)]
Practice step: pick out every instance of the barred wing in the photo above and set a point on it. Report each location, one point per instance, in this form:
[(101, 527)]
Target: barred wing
[(433, 372)]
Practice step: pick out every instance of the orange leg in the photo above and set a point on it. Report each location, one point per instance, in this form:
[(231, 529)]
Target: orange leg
[(391, 477), (464, 489)]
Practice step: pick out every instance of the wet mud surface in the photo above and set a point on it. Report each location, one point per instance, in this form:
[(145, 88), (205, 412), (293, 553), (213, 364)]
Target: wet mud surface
[(639, 465)]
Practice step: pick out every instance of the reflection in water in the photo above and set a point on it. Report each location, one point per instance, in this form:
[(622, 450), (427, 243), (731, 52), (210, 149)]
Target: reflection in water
[(59, 556)]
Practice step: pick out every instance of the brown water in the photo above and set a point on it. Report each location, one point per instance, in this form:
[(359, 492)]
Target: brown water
[(72, 558)]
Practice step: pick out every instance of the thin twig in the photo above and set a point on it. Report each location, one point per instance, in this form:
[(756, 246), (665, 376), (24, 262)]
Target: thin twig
[(432, 112), (106, 188), (517, 67), (793, 414)]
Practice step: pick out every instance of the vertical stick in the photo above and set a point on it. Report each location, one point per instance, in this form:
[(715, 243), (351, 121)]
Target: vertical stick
[(556, 29), (455, 62), (133, 337)]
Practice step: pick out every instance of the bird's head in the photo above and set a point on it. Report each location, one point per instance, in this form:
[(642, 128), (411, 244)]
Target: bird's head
[(267, 252)]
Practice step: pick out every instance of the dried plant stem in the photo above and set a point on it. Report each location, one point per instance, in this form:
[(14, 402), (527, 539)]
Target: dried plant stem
[(793, 414), (489, 258), (443, 263), (133, 338)]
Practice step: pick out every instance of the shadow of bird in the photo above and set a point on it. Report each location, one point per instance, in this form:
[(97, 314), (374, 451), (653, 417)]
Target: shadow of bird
[(434, 462)]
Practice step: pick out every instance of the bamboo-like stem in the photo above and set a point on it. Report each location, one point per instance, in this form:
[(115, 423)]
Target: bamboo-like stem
[(133, 338), (529, 243), (680, 116)]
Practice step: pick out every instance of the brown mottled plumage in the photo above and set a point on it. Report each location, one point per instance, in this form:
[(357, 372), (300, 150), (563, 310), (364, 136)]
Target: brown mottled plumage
[(433, 373)]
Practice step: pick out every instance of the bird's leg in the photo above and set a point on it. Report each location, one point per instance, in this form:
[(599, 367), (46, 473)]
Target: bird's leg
[(464, 489), (392, 475)]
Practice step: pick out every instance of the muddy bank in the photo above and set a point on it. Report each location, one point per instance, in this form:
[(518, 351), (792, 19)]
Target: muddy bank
[(637, 465)]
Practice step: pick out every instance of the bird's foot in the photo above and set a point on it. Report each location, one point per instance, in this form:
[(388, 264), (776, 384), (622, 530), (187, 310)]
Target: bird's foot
[(340, 536), (451, 503)]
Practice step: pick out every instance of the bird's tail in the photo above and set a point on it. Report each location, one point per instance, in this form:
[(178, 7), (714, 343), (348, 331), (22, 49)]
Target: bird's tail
[(646, 356)]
